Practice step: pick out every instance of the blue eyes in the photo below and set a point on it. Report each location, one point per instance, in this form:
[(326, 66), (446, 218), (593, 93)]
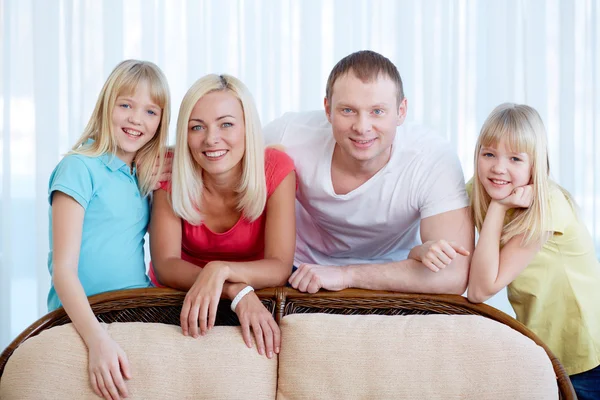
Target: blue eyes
[(377, 111), (128, 106), (490, 155), (201, 127)]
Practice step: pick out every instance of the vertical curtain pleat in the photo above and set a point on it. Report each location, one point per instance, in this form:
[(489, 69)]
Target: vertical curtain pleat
[(458, 60), (6, 250), (46, 99)]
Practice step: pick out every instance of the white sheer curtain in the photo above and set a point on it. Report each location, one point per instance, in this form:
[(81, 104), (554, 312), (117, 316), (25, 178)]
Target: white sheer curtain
[(458, 59)]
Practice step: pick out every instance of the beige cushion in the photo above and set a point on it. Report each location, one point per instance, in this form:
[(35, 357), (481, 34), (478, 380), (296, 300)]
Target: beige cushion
[(165, 364), (409, 357)]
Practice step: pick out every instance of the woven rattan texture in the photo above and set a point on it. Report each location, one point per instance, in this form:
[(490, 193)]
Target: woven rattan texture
[(378, 306)]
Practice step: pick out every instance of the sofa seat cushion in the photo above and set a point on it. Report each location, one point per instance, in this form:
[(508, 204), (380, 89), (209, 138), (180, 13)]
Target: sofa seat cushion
[(164, 363), (409, 357)]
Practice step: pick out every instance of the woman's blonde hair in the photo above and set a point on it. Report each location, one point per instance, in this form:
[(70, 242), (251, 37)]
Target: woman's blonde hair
[(124, 80), (522, 129), (187, 184)]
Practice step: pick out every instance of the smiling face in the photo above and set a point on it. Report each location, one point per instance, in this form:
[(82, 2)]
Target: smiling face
[(135, 119), (216, 133), (364, 117), (500, 170)]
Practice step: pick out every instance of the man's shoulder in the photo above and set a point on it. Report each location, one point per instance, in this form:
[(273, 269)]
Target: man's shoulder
[(311, 120), (423, 138), (304, 130)]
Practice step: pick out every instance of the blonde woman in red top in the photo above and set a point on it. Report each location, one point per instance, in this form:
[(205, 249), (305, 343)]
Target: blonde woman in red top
[(225, 225)]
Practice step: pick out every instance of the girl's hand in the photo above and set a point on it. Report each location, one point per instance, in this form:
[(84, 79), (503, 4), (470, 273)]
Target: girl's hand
[(438, 254), (107, 366), (202, 299), (521, 197), (252, 313), (166, 171)]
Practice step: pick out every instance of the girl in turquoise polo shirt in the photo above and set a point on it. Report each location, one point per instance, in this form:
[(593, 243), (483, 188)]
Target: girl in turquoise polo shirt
[(532, 240), (99, 210)]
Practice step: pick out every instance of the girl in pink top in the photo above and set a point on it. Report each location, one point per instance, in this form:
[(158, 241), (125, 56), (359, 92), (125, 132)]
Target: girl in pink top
[(225, 224)]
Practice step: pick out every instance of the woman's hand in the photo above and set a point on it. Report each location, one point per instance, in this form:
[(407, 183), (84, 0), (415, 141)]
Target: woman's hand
[(108, 365), (252, 313), (202, 300), (521, 197)]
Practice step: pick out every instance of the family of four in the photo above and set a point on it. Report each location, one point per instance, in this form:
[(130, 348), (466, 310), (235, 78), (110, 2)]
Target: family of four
[(349, 197)]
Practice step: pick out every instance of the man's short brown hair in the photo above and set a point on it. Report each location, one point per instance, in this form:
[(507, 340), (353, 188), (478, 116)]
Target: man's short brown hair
[(367, 65)]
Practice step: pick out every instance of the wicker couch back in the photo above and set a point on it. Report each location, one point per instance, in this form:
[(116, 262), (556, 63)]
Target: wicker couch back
[(164, 305)]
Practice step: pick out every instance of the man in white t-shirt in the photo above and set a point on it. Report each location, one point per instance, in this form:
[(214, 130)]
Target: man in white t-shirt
[(380, 204)]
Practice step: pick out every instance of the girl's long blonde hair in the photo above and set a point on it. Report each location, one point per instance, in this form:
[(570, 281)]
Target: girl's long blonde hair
[(187, 184), (523, 131), (124, 80)]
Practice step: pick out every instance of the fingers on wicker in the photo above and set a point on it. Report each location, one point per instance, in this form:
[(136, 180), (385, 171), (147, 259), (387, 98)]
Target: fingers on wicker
[(314, 285), (306, 278)]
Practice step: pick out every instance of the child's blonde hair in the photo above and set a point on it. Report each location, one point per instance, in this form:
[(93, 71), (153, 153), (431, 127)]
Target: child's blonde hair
[(124, 80), (523, 131), (187, 185)]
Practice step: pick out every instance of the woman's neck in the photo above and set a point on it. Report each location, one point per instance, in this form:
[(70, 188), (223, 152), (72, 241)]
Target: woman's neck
[(223, 185)]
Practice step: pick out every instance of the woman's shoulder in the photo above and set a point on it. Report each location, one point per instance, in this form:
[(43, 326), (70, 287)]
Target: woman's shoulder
[(277, 166), (276, 154), (276, 158)]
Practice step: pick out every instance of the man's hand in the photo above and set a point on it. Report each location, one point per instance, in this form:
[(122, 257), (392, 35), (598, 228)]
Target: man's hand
[(310, 278), (437, 254)]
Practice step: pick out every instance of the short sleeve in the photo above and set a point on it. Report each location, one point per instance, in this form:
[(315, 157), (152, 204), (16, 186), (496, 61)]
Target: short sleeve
[(442, 184), (277, 166), (274, 130), (72, 177)]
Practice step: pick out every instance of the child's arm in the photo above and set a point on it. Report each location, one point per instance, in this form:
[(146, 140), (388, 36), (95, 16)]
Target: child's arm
[(493, 268), (106, 358)]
